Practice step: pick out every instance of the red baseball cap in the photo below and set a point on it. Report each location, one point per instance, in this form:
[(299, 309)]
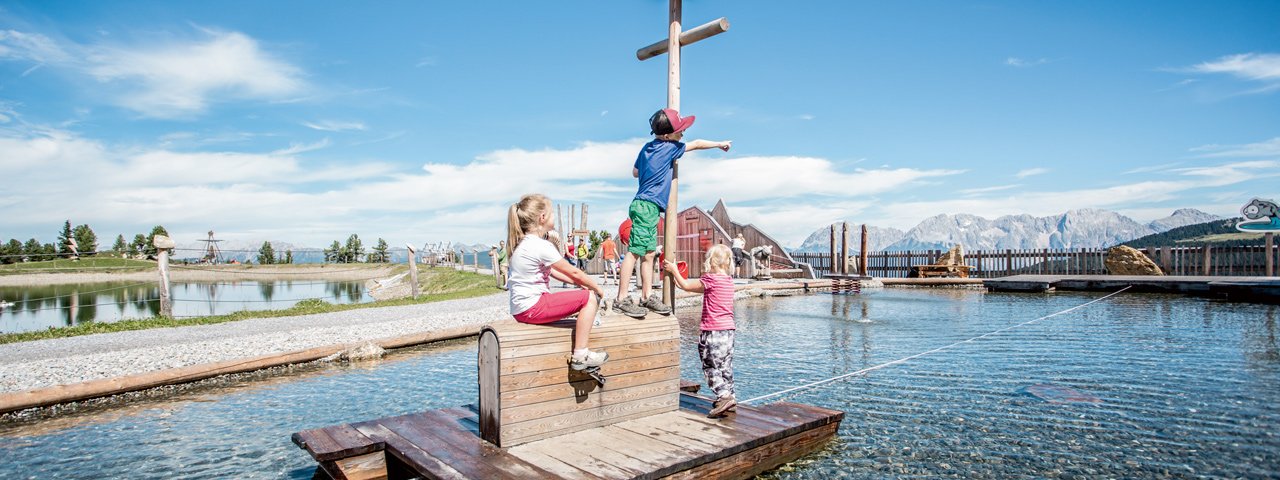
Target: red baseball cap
[(668, 121)]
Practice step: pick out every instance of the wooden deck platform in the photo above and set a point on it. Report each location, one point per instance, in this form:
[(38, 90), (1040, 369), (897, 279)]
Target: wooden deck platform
[(1264, 289), (680, 444)]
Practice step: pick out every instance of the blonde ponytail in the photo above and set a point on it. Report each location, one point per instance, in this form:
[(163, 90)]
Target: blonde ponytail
[(522, 216)]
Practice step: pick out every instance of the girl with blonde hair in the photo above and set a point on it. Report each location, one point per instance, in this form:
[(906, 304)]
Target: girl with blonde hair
[(715, 343), (533, 261)]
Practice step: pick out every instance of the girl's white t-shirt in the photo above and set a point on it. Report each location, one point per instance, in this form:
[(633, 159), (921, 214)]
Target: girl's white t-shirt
[(529, 272)]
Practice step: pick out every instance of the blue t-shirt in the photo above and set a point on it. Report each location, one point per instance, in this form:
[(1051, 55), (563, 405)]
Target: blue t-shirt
[(654, 164)]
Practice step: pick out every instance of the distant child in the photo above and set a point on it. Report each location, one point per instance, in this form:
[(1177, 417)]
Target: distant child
[(715, 344), (534, 259), (653, 168), (584, 253), (609, 252)]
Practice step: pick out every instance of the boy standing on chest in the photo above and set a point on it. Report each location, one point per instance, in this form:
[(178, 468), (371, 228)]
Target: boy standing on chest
[(653, 169)]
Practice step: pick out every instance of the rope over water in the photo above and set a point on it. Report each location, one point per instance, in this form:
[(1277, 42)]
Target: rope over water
[(918, 355)]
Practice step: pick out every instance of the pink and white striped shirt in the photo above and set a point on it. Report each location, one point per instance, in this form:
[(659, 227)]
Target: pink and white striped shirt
[(717, 301)]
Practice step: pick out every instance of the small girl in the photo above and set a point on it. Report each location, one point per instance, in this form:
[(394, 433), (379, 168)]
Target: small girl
[(715, 344), (534, 260)]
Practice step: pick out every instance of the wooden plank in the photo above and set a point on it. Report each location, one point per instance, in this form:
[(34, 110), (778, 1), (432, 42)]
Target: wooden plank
[(578, 459), (370, 466), (404, 451), (561, 424), (553, 376), (637, 461), (565, 336), (576, 404), (335, 442), (490, 402), (435, 434), (559, 360), (549, 463), (563, 348), (659, 428), (581, 387), (610, 323), (763, 458)]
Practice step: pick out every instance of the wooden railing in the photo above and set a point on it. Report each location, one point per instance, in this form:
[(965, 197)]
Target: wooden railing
[(1202, 260)]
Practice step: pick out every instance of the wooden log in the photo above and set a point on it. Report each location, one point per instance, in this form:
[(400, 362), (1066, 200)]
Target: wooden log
[(696, 34), (862, 254), (166, 303), (1269, 253), (413, 272), (844, 248)]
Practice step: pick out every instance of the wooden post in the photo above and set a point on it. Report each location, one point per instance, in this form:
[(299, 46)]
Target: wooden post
[(1008, 262), (1270, 256), (163, 245), (475, 260), (413, 272), (844, 248), (559, 218), (1166, 260), (675, 38), (833, 251), (862, 256)]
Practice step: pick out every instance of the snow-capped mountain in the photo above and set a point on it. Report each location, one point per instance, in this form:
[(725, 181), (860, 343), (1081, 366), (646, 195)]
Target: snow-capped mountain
[(1083, 228)]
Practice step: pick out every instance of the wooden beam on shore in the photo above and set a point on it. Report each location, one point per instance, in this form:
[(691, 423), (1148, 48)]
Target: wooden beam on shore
[(696, 34)]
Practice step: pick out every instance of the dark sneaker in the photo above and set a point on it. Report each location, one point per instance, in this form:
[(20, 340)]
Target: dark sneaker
[(722, 407), (591, 359), (654, 302), (628, 307)]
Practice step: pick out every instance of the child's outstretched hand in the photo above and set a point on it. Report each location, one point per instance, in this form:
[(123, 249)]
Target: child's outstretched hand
[(670, 266), (725, 145)]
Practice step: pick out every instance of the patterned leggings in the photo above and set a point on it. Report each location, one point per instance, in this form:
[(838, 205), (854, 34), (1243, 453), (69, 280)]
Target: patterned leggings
[(715, 348)]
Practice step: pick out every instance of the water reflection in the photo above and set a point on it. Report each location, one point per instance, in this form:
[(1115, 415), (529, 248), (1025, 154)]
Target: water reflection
[(49, 306)]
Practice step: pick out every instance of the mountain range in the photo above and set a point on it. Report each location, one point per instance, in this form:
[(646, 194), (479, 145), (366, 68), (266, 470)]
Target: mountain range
[(1083, 228)]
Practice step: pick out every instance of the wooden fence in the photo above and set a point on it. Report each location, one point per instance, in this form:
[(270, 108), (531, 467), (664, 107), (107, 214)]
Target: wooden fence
[(1204, 260)]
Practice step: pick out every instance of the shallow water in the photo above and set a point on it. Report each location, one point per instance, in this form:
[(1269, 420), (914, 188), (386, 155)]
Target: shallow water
[(46, 306), (1186, 387)]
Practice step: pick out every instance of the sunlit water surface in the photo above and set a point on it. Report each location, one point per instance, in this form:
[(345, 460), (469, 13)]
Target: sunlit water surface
[(1180, 387)]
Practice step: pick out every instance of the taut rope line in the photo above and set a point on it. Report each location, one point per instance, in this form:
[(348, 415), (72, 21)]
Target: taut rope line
[(939, 349)]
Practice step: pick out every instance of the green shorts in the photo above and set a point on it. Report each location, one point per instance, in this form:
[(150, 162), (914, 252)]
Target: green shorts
[(644, 227)]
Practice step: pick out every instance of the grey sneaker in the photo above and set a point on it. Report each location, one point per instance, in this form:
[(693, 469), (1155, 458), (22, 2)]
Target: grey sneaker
[(722, 407), (591, 359), (628, 307), (654, 302)]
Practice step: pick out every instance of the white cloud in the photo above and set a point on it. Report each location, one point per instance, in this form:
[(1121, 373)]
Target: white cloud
[(1030, 172), (1018, 62), (15, 45), (1266, 148), (297, 148), (997, 188), (335, 126), (1249, 66), (181, 78)]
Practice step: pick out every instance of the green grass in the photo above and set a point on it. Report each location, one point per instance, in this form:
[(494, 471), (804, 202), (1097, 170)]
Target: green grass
[(437, 285), (85, 264), (1222, 237)]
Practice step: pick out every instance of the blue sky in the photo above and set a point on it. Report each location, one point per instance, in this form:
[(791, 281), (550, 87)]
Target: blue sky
[(417, 122)]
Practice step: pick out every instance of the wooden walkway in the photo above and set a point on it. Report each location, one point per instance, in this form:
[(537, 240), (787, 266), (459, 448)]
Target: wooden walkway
[(680, 444), (1265, 289)]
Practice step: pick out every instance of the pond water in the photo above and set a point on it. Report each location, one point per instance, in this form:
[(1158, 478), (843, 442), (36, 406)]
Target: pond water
[(1163, 386), (40, 307)]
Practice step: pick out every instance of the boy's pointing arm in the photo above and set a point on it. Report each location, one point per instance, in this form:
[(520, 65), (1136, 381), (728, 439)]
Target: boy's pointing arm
[(705, 144)]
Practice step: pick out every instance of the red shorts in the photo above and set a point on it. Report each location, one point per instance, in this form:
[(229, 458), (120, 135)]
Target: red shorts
[(554, 306)]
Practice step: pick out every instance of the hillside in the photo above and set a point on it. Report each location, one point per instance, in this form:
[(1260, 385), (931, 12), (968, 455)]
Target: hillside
[(1218, 232)]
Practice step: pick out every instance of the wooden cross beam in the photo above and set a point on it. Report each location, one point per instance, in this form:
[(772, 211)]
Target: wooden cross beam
[(676, 39)]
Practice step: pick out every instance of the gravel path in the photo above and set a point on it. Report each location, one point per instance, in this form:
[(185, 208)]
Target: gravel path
[(45, 363)]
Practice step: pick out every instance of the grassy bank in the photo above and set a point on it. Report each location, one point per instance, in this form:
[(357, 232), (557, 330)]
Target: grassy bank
[(436, 285), (85, 264)]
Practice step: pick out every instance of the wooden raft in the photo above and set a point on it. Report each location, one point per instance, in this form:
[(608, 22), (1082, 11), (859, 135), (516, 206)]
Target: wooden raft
[(537, 418)]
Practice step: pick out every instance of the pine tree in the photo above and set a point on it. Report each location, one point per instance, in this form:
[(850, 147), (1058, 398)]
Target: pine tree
[(354, 249), (64, 239), (266, 254), (380, 252), (11, 252), (288, 257), (139, 244), (119, 246), (86, 240), (333, 254), (33, 250)]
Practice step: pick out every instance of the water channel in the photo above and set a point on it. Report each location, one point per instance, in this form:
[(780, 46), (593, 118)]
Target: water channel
[(49, 306), (1167, 386)]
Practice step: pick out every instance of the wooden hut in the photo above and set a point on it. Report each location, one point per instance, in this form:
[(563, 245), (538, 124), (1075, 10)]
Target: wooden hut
[(700, 229)]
